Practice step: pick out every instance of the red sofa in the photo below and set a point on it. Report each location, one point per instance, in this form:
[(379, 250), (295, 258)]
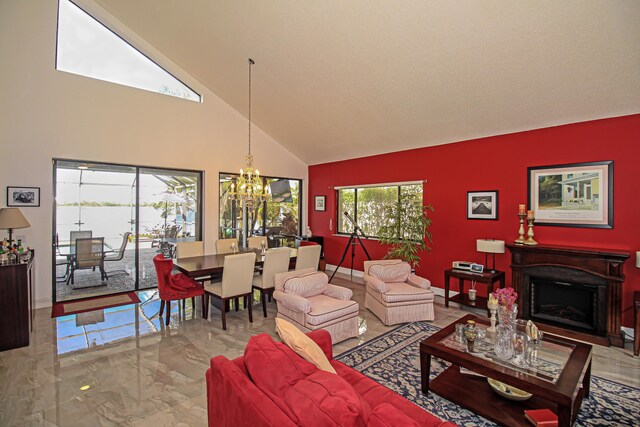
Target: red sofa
[(272, 386)]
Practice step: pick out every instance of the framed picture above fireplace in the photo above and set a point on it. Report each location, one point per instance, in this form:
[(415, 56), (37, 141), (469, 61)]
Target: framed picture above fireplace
[(572, 195)]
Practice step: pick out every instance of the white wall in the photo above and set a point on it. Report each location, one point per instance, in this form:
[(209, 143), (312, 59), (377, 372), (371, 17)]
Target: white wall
[(47, 114)]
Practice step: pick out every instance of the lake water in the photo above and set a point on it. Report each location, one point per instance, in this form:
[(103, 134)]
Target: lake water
[(110, 222)]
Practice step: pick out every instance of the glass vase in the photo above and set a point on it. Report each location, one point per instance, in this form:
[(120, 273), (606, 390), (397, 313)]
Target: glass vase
[(508, 317)]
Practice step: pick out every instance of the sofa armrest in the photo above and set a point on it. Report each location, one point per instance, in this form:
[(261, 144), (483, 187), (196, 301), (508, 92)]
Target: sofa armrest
[(293, 302), (418, 282), (338, 292), (323, 339), (232, 399), (375, 284)]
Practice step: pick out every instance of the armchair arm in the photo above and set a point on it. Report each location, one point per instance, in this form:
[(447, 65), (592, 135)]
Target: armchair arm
[(418, 282), (375, 283), (293, 302), (338, 292)]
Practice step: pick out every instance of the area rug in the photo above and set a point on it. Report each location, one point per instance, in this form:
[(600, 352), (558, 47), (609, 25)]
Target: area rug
[(393, 360), (94, 303)]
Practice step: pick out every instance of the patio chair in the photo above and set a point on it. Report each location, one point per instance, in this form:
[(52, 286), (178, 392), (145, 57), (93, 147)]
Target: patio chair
[(89, 255), (118, 254), (82, 234)]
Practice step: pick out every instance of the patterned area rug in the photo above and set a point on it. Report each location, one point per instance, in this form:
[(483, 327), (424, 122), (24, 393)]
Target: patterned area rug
[(393, 360)]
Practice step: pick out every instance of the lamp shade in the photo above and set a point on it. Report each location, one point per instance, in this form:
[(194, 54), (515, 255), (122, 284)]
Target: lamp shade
[(638, 259), (490, 246), (12, 218)]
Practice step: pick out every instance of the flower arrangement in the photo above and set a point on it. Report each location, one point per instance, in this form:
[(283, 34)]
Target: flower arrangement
[(506, 297)]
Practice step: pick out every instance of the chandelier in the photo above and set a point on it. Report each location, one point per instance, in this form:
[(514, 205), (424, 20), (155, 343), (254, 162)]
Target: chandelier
[(248, 188)]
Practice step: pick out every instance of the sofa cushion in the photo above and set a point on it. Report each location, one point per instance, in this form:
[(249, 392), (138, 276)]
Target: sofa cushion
[(325, 309), (307, 285), (392, 272), (405, 292), (375, 394), (308, 395), (304, 346), (386, 415)]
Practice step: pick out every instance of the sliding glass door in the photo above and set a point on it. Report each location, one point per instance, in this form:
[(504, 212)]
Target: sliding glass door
[(128, 212)]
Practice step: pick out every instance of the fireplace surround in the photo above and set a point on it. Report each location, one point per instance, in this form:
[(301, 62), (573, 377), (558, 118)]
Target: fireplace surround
[(574, 291)]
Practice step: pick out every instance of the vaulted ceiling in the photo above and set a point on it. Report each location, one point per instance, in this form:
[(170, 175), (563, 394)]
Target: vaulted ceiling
[(337, 79)]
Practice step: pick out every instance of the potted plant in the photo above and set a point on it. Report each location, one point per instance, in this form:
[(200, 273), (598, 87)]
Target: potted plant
[(406, 229)]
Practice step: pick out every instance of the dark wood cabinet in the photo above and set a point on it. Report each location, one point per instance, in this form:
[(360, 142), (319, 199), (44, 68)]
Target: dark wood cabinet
[(16, 305)]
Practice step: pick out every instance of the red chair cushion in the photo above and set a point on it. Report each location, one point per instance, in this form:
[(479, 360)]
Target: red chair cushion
[(309, 396), (177, 286)]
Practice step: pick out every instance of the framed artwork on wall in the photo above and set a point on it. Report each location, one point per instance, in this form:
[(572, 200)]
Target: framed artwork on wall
[(482, 204), (23, 196), (320, 203), (572, 195)]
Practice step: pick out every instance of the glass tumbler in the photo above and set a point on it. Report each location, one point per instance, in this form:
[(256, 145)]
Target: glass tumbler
[(504, 342), (521, 349)]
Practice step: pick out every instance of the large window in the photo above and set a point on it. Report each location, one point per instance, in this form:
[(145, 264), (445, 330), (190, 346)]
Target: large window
[(279, 215), (367, 205), (87, 48)]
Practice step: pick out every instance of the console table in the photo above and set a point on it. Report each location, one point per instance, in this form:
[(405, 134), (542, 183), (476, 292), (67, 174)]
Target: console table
[(16, 304), (462, 298)]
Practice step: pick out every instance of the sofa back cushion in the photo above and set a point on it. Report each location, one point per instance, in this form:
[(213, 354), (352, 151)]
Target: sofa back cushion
[(309, 396), (391, 272), (306, 285)]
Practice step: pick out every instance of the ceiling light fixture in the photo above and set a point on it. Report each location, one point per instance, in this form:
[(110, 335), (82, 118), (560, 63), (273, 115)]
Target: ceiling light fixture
[(248, 187)]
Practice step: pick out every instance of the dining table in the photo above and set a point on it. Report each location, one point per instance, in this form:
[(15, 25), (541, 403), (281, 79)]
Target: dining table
[(207, 265)]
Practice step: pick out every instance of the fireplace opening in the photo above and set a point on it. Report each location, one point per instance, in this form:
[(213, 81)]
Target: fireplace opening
[(569, 305)]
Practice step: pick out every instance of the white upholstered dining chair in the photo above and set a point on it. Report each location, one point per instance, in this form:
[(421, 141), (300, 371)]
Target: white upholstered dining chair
[(189, 249), (237, 280), (276, 260), (308, 257), (223, 246)]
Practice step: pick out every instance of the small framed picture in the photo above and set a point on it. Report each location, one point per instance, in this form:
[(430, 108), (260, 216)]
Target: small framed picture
[(321, 203), (482, 204), (23, 196)]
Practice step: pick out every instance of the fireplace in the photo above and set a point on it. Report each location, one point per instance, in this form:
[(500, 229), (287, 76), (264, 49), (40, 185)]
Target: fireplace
[(571, 305), (575, 291)]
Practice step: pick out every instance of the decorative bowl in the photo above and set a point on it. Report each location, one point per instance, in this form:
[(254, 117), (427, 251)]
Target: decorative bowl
[(507, 391)]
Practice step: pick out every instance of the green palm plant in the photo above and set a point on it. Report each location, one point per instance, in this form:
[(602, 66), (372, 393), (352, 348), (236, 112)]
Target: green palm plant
[(406, 229)]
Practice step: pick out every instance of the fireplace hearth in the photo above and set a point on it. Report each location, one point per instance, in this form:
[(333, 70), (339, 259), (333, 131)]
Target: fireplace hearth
[(576, 290)]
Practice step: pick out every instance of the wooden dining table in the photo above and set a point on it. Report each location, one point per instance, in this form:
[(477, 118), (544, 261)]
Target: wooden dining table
[(206, 265)]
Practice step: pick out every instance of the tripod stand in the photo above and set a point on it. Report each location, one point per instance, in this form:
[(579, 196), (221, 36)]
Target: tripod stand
[(352, 243)]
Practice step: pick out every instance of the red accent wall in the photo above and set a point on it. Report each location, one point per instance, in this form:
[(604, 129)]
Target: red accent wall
[(494, 163)]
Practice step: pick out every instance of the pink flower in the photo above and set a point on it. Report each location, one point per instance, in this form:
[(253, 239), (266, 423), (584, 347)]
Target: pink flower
[(506, 297)]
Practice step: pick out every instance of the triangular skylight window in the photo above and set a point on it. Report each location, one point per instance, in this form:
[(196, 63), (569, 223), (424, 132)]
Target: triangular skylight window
[(88, 48)]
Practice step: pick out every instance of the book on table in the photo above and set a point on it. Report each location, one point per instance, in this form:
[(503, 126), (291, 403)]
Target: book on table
[(542, 417)]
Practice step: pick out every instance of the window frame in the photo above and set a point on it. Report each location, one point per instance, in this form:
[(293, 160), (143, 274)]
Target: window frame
[(355, 188), (264, 178)]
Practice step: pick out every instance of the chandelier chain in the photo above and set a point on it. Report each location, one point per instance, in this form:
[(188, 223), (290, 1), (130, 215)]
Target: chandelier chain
[(251, 62)]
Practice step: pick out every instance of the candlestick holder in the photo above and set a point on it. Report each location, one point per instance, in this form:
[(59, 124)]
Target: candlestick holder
[(520, 240), (530, 241)]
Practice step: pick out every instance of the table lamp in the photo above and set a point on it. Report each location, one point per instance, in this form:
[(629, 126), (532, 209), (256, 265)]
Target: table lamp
[(490, 246), (11, 219)]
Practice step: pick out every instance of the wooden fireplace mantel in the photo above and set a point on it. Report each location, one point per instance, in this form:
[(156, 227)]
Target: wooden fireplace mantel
[(605, 264)]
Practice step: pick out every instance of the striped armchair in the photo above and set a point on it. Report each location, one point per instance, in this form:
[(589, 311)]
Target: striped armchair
[(306, 299), (396, 295)]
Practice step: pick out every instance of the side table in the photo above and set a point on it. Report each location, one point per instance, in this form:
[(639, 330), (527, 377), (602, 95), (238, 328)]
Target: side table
[(462, 298)]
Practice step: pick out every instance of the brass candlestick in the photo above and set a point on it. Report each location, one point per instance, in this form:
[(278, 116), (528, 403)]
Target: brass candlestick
[(530, 241), (520, 240)]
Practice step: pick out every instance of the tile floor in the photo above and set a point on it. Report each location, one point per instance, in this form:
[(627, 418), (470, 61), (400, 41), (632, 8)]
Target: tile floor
[(123, 367)]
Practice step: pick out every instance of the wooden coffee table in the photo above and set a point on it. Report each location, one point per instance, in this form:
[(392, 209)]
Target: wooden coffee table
[(559, 378)]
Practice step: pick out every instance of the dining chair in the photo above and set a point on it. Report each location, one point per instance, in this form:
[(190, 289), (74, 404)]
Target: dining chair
[(118, 254), (175, 287), (82, 234), (276, 260), (256, 242), (89, 255), (308, 256), (237, 281), (223, 246), (192, 249)]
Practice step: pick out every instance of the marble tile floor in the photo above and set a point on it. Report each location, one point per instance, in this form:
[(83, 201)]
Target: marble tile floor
[(123, 367)]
